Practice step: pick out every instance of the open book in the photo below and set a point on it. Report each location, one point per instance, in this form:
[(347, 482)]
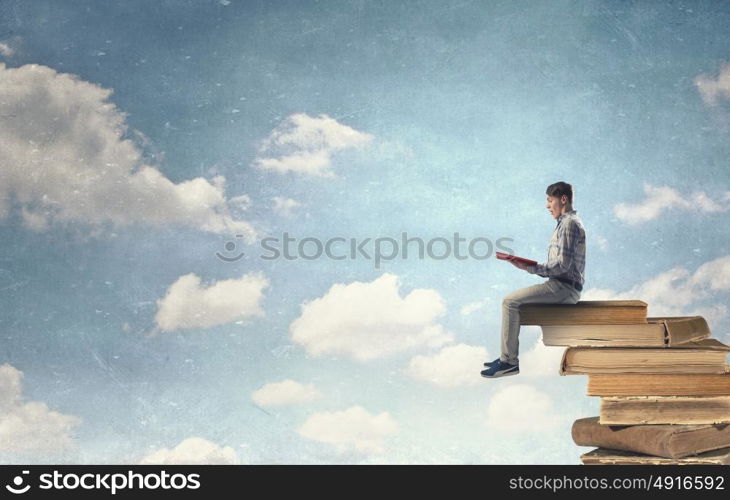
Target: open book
[(506, 256)]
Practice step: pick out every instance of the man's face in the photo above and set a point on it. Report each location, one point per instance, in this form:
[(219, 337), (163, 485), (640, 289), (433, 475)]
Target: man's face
[(554, 205)]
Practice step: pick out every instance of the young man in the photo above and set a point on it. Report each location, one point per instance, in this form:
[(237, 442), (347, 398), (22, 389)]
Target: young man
[(564, 269)]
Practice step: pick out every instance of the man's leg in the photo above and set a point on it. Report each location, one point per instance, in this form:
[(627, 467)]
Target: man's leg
[(549, 292)]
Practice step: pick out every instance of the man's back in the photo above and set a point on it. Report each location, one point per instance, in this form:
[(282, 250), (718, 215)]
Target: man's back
[(566, 251)]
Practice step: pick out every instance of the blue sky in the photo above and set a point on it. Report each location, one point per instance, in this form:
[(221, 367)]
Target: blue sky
[(137, 139)]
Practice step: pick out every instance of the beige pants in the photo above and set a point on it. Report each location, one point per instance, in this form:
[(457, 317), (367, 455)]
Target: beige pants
[(550, 292)]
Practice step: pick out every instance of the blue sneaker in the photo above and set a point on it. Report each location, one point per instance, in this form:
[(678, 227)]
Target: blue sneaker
[(490, 363), (500, 369)]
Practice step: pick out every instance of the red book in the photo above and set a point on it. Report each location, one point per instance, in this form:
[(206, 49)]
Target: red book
[(506, 256)]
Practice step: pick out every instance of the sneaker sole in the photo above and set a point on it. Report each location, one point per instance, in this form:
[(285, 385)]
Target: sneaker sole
[(505, 373)]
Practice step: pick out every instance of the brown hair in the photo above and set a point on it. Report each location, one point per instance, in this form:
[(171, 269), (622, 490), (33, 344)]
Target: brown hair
[(559, 189)]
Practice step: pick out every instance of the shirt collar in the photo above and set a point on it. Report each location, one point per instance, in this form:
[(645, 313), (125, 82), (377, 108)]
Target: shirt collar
[(569, 212)]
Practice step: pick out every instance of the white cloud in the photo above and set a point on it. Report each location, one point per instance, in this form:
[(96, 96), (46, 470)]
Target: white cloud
[(351, 429), (240, 203), (187, 304), (540, 361), (473, 307), (452, 366), (305, 144), (662, 198), (30, 427), (370, 320), (602, 243), (521, 408), (677, 291), (6, 50), (285, 206), (714, 274), (192, 451), (713, 89), (67, 157), (286, 392)]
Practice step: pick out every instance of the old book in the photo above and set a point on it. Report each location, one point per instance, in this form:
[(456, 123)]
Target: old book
[(614, 457), (670, 441), (634, 410), (585, 312), (701, 356), (515, 258), (681, 329), (655, 332), (649, 384)]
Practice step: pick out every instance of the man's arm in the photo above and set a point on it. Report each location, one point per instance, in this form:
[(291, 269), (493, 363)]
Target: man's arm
[(568, 236)]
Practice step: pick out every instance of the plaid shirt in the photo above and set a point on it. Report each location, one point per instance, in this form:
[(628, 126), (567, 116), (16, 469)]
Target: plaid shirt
[(566, 252)]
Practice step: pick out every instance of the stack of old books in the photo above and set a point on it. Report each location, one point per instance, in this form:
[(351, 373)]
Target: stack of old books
[(663, 382)]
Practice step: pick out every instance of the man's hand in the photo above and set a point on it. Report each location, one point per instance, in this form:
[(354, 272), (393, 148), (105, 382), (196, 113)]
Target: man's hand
[(521, 265)]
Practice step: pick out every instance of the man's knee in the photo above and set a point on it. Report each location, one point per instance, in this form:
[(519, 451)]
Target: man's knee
[(510, 303)]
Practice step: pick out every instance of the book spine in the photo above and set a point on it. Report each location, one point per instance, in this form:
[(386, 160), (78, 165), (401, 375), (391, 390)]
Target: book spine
[(564, 363), (686, 330), (671, 384), (592, 458), (638, 410), (647, 439)]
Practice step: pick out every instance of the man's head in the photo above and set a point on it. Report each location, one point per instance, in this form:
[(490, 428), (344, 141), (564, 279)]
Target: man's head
[(559, 198)]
